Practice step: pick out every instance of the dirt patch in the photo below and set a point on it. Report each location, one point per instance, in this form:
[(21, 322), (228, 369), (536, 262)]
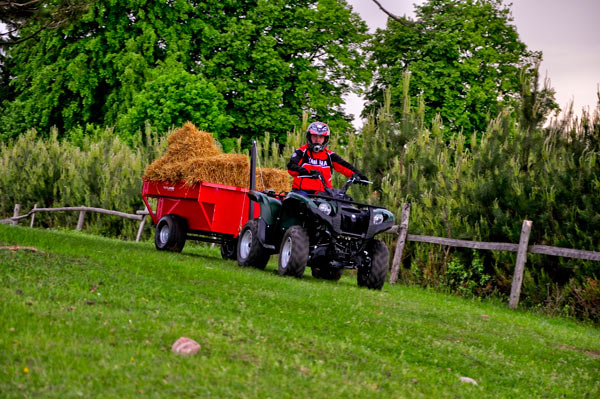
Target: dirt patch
[(19, 248), (590, 352)]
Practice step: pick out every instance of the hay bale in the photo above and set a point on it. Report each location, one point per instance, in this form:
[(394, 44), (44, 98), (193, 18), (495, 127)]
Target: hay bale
[(154, 170), (164, 169), (184, 144), (228, 169), (273, 179), (188, 142), (192, 156), (234, 170)]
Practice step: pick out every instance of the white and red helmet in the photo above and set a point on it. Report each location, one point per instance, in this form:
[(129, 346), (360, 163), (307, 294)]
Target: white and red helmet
[(319, 129)]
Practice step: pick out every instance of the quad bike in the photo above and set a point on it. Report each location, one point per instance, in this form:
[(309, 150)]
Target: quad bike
[(328, 232)]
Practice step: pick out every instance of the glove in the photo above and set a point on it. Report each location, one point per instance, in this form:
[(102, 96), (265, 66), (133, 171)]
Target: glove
[(315, 173), (303, 172), (360, 176)]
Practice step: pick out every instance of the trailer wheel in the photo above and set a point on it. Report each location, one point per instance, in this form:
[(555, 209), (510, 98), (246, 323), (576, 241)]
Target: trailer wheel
[(294, 252), (250, 251), (170, 233), (327, 273), (229, 248), (373, 276)]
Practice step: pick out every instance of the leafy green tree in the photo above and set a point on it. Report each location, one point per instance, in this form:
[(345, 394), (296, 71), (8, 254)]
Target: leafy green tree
[(465, 59), (171, 96), (235, 67)]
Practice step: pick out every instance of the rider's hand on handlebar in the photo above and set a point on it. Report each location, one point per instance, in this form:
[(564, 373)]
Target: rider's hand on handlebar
[(360, 178), (311, 174)]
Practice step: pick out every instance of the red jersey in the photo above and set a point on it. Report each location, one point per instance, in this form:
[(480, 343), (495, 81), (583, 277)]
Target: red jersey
[(321, 161)]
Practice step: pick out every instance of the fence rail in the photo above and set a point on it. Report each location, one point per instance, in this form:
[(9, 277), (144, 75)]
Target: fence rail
[(139, 215), (522, 249), (502, 246)]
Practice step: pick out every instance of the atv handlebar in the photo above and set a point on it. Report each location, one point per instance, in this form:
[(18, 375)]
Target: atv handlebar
[(350, 181), (353, 180)]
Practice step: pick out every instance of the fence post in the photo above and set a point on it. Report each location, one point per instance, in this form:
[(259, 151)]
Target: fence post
[(400, 243), (16, 214), (139, 233), (33, 215), (80, 221), (515, 291)]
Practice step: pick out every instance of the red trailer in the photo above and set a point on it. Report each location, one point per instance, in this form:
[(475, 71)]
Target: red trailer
[(203, 211)]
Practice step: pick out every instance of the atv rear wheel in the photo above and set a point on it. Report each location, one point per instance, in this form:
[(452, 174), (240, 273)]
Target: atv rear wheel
[(170, 233), (250, 251), (294, 252), (373, 276), (327, 273)]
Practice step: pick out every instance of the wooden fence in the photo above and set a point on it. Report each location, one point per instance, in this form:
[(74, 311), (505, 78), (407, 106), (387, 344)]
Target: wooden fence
[(522, 248), (140, 215)]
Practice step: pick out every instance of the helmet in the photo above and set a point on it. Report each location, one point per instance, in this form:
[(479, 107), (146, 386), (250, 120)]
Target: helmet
[(320, 129)]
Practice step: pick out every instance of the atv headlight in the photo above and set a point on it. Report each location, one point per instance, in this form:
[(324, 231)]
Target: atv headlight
[(325, 208), (377, 218)]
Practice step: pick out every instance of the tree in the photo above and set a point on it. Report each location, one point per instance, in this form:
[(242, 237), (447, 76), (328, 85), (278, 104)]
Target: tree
[(170, 96), (465, 58), (257, 63), (46, 14)]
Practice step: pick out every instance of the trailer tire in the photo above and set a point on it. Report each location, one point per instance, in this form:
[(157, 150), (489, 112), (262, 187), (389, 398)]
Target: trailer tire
[(170, 234), (294, 252), (229, 248), (373, 276), (327, 273), (250, 251)]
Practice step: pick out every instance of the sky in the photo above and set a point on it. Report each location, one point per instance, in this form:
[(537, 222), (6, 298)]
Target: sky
[(566, 31)]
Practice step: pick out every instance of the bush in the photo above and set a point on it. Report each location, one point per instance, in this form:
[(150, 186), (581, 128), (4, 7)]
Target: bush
[(99, 170), (484, 191)]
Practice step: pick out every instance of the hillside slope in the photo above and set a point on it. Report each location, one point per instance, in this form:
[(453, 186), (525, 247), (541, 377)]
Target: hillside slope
[(95, 317)]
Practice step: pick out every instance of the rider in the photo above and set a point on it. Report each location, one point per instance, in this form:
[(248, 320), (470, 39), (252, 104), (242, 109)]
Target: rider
[(313, 158)]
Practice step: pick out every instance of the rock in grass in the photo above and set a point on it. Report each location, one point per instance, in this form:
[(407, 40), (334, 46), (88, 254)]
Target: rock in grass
[(468, 380), (185, 346)]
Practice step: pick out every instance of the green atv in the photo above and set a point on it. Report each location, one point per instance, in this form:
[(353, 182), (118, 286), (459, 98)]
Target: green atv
[(328, 232)]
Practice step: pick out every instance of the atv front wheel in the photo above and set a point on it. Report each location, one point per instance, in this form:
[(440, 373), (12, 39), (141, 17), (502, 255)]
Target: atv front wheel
[(294, 252), (250, 251), (327, 273), (170, 234), (373, 276)]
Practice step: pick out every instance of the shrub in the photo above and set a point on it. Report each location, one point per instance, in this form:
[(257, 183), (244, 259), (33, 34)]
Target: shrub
[(98, 170)]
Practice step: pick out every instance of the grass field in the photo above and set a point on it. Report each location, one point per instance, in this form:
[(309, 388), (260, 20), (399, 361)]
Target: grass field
[(85, 316)]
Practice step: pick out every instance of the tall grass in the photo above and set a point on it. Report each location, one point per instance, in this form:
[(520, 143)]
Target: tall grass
[(99, 170)]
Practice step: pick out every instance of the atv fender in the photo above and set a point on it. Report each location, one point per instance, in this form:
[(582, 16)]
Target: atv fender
[(269, 213), (269, 207)]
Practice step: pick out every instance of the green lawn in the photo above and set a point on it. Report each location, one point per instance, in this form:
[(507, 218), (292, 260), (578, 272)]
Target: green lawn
[(85, 316)]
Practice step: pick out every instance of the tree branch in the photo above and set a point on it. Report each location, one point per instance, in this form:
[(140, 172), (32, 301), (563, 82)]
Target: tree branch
[(64, 12), (8, 33), (21, 40), (15, 4), (402, 20)]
